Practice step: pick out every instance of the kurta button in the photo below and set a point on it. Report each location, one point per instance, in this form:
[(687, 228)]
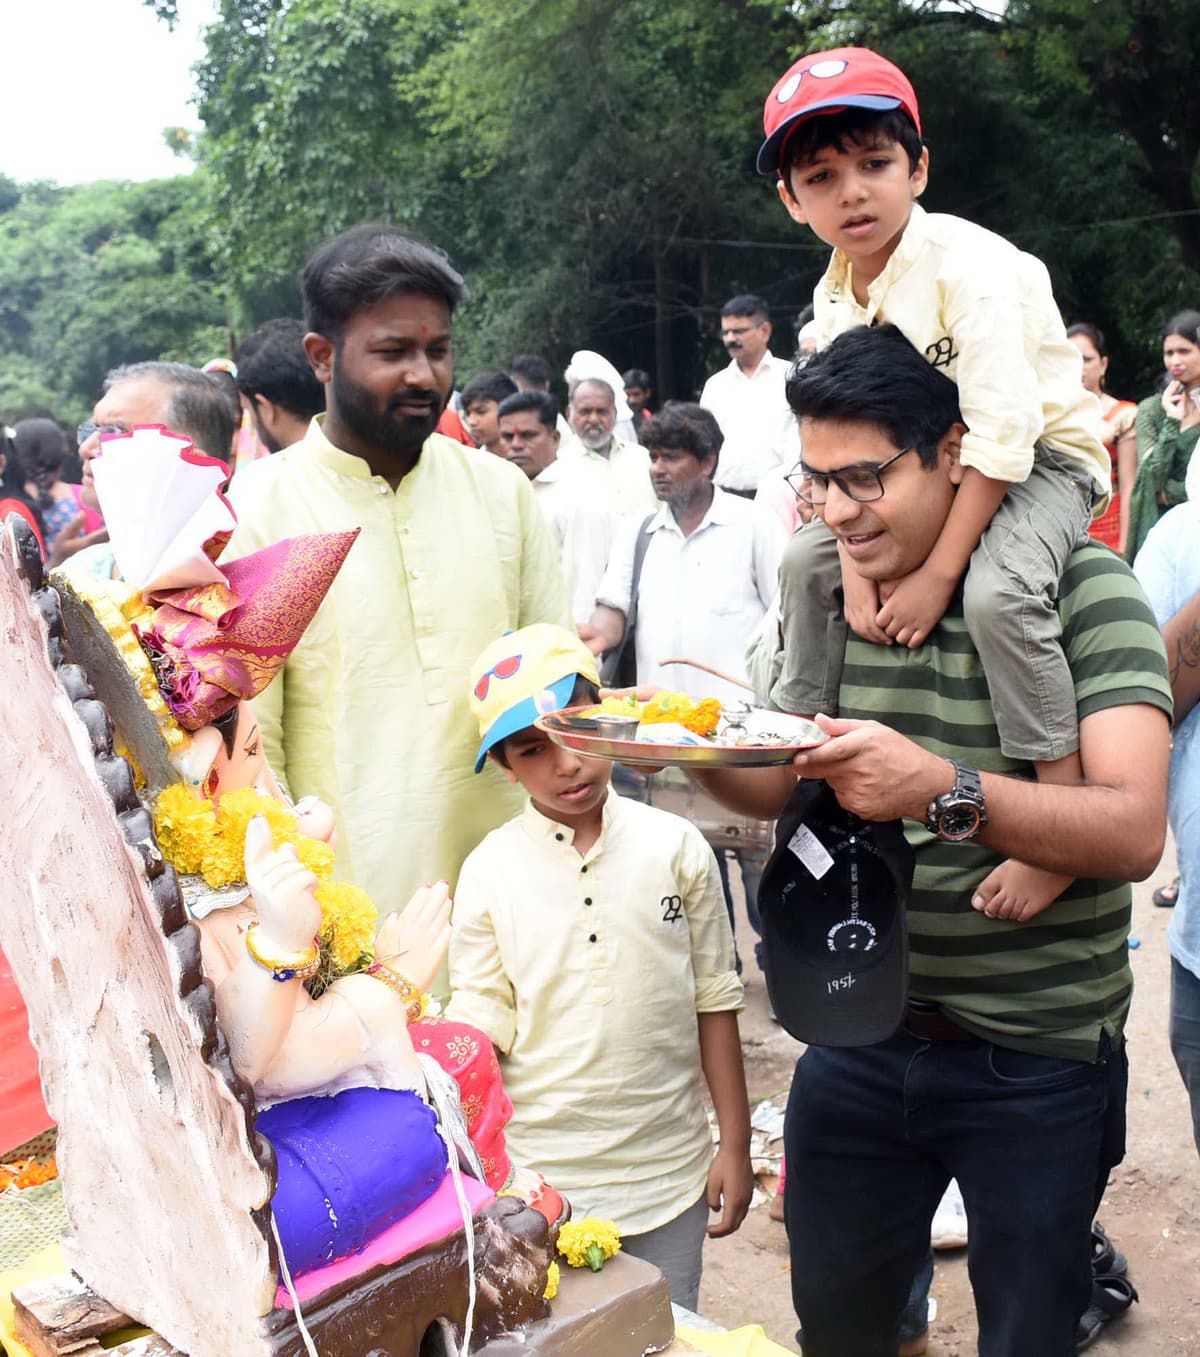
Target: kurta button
[(558, 837), (591, 937), (583, 869), (587, 900)]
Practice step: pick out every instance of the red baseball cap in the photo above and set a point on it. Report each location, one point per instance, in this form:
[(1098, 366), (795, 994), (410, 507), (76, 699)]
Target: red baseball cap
[(846, 77)]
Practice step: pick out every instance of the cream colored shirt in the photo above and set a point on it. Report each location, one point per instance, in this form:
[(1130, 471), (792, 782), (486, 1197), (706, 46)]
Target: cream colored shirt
[(628, 464), (370, 712), (588, 973), (579, 503), (759, 427), (983, 313)]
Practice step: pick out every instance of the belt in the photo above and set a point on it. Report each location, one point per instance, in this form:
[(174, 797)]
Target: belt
[(930, 1023)]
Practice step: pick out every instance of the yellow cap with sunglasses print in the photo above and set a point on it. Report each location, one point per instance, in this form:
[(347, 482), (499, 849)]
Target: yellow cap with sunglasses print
[(524, 675)]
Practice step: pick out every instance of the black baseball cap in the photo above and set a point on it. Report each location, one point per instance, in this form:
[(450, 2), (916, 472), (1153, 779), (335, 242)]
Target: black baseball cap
[(835, 941)]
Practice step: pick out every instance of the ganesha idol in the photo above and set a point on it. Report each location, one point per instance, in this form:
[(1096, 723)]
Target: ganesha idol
[(323, 1007)]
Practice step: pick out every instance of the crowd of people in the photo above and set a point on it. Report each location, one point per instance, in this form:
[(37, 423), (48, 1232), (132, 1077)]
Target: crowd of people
[(917, 534)]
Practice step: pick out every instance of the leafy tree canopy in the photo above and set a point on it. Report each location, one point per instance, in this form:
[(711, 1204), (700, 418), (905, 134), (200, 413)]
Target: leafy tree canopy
[(589, 162), (95, 276), (589, 165)]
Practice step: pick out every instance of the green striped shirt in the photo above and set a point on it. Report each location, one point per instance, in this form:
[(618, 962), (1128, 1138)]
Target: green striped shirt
[(1052, 985)]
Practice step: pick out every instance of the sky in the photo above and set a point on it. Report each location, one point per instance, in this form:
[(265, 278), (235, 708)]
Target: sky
[(89, 86)]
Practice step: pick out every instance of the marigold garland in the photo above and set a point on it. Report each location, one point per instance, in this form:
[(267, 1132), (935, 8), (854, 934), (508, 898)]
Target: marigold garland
[(553, 1277), (200, 839), (704, 717), (27, 1173), (116, 605), (589, 1242), (348, 923)]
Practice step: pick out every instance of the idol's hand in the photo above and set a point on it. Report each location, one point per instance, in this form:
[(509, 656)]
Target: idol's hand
[(316, 820), (415, 941), (284, 891)]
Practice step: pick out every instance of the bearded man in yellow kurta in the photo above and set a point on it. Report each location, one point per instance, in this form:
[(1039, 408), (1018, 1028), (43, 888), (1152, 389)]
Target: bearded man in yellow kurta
[(370, 713)]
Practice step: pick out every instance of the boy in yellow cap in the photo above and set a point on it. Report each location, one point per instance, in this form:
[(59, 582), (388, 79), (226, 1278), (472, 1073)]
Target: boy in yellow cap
[(591, 944)]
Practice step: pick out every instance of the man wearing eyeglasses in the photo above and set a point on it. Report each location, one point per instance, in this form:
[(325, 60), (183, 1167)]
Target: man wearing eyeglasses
[(186, 400), (748, 400), (1008, 1068)]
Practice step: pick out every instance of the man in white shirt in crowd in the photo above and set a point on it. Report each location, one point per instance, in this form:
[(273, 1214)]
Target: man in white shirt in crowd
[(748, 400), (592, 415), (701, 584), (575, 494)]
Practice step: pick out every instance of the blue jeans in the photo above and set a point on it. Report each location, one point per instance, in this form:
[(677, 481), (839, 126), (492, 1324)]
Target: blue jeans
[(752, 864), (1185, 1035), (874, 1134)]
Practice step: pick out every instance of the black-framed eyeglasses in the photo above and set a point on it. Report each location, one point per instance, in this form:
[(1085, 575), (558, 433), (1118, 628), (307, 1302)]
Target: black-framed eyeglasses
[(89, 427), (727, 330), (859, 483)]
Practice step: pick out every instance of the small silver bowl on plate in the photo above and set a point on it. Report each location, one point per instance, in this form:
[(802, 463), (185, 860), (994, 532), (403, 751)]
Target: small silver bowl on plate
[(610, 726)]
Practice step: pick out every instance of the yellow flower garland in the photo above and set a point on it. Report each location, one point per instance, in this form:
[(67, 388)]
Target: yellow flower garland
[(553, 1277), (200, 839), (589, 1242), (116, 606)]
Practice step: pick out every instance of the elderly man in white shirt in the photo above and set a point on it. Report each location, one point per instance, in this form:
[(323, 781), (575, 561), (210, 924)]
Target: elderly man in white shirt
[(575, 495), (593, 417), (701, 584), (748, 399)]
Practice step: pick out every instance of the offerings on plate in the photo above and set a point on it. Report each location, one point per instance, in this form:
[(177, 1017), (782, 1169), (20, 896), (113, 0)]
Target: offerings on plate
[(673, 727), (669, 718)]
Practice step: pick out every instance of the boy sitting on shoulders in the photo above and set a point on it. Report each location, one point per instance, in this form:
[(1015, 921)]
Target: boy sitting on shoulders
[(591, 944), (843, 138)]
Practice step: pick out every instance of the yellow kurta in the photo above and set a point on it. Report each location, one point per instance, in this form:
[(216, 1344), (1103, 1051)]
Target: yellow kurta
[(370, 712)]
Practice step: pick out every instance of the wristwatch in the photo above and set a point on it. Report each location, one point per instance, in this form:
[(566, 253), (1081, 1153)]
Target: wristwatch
[(960, 814)]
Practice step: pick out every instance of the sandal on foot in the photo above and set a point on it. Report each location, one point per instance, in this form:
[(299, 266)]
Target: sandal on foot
[(1106, 1261), (1111, 1297), (1166, 897)]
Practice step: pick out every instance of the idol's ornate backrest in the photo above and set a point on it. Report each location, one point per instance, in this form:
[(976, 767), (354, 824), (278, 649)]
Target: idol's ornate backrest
[(165, 1180)]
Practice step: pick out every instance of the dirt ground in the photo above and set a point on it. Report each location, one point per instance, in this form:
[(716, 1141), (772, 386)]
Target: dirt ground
[(1151, 1210)]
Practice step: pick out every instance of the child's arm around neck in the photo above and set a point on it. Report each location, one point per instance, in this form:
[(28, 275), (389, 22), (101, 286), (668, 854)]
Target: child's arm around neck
[(916, 605)]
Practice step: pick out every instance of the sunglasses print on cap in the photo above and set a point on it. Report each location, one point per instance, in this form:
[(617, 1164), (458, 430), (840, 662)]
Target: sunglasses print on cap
[(822, 70), (502, 669)]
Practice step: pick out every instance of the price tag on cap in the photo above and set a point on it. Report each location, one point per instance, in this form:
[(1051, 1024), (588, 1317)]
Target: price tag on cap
[(811, 852)]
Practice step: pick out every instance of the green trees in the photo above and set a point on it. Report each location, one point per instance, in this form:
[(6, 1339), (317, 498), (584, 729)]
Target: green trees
[(98, 275), (589, 165)]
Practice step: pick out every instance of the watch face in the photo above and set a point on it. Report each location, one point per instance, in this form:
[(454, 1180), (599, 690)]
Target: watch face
[(959, 821)]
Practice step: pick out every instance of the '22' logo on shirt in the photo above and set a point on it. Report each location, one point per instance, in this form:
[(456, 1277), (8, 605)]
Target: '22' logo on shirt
[(941, 353), (672, 908)]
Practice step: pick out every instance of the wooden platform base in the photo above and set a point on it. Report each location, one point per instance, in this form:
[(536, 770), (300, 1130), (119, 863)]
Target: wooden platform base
[(622, 1311), (61, 1317)]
